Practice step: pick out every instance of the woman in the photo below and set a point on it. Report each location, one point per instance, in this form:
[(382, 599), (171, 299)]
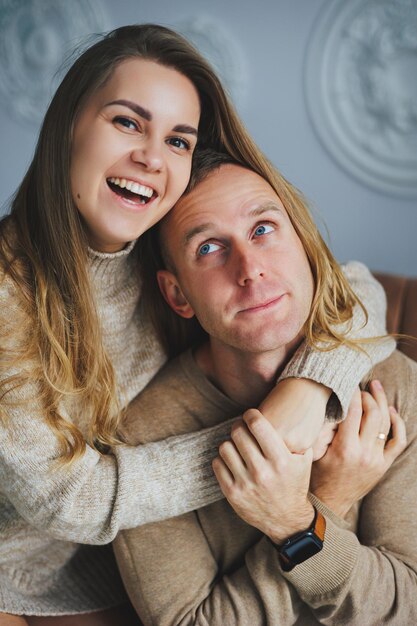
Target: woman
[(114, 154)]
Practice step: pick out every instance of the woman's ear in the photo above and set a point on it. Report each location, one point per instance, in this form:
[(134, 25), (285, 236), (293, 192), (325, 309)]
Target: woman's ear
[(172, 292)]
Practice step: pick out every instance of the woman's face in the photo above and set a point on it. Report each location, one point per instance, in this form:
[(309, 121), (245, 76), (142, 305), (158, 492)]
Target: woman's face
[(131, 152)]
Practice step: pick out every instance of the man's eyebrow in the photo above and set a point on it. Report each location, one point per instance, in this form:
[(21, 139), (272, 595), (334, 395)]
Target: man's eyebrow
[(136, 108), (201, 228), (271, 206), (147, 115)]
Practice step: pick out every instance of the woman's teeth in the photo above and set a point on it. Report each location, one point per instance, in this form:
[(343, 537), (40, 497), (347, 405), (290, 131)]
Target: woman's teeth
[(130, 185)]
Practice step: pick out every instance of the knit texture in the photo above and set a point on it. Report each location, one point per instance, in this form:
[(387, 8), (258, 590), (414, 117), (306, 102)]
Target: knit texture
[(46, 510), (209, 568)]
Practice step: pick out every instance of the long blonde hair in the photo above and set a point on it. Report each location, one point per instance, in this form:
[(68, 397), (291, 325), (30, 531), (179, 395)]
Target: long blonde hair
[(43, 246), (331, 313)]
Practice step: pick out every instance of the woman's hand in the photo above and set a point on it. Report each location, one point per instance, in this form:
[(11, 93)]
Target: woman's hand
[(296, 407), (360, 452), (324, 439)]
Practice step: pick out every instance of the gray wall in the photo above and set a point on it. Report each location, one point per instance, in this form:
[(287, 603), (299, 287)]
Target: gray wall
[(267, 41)]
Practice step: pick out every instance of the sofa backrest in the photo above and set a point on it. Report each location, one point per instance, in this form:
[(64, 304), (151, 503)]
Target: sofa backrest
[(402, 309)]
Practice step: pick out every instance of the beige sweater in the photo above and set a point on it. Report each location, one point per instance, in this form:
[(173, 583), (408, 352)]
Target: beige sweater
[(209, 568), (46, 512)]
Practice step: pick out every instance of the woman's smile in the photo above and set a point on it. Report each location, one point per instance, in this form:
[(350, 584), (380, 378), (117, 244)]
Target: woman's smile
[(132, 151), (133, 192)]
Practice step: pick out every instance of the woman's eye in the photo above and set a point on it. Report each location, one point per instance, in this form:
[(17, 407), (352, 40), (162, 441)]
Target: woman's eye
[(126, 122), (263, 229), (179, 142), (208, 248)]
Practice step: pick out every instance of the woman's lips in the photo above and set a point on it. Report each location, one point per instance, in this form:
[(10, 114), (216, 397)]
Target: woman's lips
[(131, 201), (131, 191)]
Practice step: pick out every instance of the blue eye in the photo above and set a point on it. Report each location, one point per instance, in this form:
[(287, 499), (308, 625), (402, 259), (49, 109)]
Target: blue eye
[(263, 229), (208, 248)]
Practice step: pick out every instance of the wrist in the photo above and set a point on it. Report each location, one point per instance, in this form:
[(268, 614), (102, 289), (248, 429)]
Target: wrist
[(299, 522), (337, 507), (303, 545), (311, 389), (283, 411)]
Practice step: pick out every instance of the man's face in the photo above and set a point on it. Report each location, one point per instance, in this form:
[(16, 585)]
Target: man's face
[(240, 266)]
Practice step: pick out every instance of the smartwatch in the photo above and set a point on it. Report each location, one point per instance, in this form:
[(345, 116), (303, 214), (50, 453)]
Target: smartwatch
[(301, 546)]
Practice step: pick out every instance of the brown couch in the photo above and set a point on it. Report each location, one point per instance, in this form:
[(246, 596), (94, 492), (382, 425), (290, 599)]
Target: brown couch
[(402, 309)]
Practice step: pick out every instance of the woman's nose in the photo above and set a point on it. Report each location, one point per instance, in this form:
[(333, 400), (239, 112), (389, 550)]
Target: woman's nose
[(149, 155)]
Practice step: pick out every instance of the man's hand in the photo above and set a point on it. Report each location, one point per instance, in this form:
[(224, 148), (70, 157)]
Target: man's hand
[(263, 481), (358, 458), (296, 407)]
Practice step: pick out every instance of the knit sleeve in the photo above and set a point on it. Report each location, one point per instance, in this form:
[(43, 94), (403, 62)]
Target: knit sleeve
[(173, 578), (92, 498), (343, 368), (371, 577)]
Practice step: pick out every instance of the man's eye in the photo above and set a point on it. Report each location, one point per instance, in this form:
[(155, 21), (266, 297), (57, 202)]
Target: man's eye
[(126, 122), (208, 248), (263, 229), (179, 142)]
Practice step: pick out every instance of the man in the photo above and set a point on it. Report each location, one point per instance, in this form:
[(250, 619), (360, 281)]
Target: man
[(236, 261)]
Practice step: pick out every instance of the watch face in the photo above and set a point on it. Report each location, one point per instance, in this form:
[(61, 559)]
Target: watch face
[(302, 548)]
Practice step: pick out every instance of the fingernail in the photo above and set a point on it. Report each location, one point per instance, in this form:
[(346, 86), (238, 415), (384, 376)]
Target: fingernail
[(376, 383), (392, 409)]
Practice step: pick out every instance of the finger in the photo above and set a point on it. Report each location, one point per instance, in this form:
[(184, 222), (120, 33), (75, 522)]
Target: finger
[(324, 439), (232, 459), (378, 393), (371, 419), (398, 442), (223, 475), (350, 427), (247, 446), (270, 442)]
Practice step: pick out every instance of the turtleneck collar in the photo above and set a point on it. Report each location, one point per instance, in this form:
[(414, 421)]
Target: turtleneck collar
[(108, 269)]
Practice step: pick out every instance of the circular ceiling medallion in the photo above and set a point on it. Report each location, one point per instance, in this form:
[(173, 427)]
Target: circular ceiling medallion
[(35, 37), (217, 45), (361, 90)]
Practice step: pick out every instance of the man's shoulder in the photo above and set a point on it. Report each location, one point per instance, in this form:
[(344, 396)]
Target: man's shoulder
[(397, 369), (398, 374), (161, 408), (179, 399)]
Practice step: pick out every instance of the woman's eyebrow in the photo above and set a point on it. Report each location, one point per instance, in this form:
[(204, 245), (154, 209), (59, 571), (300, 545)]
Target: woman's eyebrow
[(185, 128), (136, 108), (147, 115)]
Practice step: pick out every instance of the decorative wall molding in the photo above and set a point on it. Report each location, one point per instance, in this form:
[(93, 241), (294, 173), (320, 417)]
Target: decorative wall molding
[(35, 37), (361, 90), (219, 47)]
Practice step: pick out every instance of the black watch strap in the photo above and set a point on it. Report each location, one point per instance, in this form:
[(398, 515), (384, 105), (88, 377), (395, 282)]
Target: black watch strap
[(303, 545)]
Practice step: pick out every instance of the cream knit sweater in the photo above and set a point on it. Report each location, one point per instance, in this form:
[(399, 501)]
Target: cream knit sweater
[(47, 511)]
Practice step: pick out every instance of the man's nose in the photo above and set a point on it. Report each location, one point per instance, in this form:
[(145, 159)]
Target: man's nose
[(249, 265), (149, 155)]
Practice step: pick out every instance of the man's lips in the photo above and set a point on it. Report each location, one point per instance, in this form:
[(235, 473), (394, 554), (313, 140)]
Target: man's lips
[(264, 305)]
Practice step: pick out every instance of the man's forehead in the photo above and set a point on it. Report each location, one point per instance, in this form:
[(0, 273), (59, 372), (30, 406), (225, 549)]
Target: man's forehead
[(201, 226), (229, 192)]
